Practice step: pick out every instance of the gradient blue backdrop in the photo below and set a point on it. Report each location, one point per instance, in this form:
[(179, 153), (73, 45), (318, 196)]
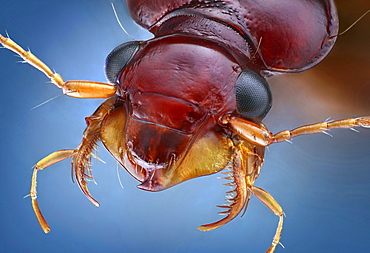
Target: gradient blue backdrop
[(322, 183)]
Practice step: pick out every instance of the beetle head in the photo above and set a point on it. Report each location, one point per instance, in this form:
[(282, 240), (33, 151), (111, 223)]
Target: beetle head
[(172, 93)]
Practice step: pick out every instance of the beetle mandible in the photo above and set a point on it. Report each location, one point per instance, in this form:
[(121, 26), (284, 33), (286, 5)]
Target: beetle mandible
[(190, 101)]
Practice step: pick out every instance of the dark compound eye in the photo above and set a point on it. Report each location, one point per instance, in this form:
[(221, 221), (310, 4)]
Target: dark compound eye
[(119, 58), (253, 95)]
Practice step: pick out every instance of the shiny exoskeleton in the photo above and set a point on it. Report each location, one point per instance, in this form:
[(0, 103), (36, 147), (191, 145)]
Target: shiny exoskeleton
[(190, 101)]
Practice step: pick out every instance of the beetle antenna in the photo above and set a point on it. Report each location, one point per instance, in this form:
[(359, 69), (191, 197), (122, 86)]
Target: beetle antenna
[(46, 101), (119, 22), (358, 20), (363, 15)]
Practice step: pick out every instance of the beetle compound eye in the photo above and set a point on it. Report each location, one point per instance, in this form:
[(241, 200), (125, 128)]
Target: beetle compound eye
[(119, 58), (253, 95)]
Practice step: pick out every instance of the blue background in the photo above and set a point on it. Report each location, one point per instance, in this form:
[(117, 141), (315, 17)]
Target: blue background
[(322, 183)]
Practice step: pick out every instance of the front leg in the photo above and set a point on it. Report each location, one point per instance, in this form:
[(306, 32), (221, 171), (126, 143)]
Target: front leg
[(274, 206), (259, 135), (77, 89), (320, 128), (54, 157), (80, 159)]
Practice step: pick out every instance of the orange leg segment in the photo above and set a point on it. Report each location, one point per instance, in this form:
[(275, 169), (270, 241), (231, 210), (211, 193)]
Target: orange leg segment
[(42, 164), (80, 159), (271, 203), (77, 89), (259, 135), (321, 127)]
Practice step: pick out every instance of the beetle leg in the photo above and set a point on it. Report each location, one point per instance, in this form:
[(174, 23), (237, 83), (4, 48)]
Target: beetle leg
[(259, 135), (80, 159), (42, 164), (248, 130), (78, 89), (271, 203), (321, 127)]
